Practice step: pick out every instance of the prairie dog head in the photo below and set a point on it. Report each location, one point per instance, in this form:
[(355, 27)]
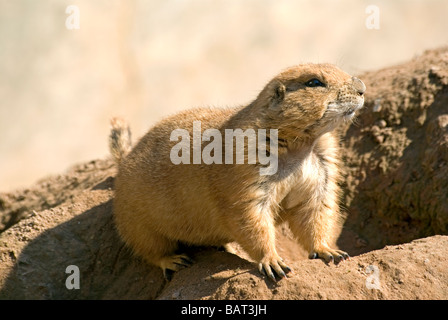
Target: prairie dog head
[(309, 100)]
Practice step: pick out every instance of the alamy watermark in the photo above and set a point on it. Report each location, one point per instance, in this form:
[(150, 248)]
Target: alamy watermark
[(373, 280), (373, 18), (73, 280), (73, 20), (212, 152)]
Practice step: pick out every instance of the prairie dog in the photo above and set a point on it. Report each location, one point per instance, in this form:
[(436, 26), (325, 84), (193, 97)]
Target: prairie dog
[(158, 203)]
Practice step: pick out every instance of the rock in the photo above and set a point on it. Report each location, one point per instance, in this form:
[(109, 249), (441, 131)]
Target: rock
[(396, 188)]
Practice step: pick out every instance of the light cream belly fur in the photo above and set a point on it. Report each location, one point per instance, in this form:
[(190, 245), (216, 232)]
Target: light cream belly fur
[(309, 181)]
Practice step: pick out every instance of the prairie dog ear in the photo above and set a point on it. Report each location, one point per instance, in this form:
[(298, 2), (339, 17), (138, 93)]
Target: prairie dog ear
[(278, 96)]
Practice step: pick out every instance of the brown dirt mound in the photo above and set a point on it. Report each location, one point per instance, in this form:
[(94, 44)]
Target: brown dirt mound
[(396, 190), (396, 155)]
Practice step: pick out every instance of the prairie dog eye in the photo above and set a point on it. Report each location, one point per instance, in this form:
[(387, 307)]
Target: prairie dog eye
[(314, 83)]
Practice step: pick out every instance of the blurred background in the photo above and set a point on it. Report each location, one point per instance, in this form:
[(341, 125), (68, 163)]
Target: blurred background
[(145, 59)]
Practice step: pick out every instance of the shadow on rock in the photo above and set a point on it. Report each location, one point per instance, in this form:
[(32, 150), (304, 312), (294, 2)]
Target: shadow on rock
[(89, 241)]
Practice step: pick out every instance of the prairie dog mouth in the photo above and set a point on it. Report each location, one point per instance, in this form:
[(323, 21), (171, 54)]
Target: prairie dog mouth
[(350, 111), (344, 109)]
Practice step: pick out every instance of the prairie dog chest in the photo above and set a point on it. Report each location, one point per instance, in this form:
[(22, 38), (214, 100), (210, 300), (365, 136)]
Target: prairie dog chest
[(302, 175)]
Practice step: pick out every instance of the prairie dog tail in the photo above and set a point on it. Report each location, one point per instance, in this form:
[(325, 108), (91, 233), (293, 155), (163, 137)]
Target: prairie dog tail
[(119, 139)]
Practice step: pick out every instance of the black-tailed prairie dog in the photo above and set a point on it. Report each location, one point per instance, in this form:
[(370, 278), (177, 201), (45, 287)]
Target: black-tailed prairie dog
[(160, 203)]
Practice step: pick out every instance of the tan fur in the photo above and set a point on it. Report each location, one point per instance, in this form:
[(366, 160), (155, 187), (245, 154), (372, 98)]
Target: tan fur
[(158, 204), (119, 139)]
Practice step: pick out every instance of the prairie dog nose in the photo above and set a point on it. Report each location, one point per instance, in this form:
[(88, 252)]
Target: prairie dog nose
[(360, 87)]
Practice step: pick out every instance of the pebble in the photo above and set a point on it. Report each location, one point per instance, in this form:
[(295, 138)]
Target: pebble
[(382, 123)]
